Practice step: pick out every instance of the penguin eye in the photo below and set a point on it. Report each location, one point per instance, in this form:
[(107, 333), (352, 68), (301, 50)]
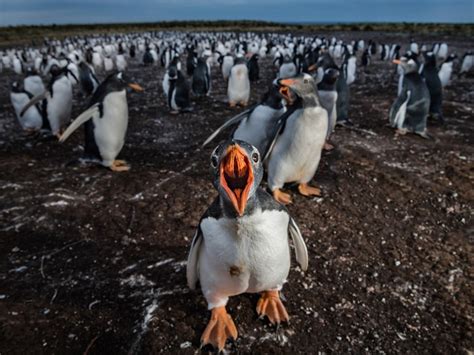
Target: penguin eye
[(214, 161), (255, 157)]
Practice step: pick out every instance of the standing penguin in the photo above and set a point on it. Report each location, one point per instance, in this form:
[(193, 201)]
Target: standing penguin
[(411, 108), (148, 57), (106, 122), (32, 119), (467, 62), (58, 100), (343, 96), (430, 73), (33, 82), (257, 124), (287, 68), (294, 156), (446, 70), (191, 61), (201, 83), (226, 65), (328, 98), (254, 70), (242, 243), (87, 78), (238, 89), (178, 91)]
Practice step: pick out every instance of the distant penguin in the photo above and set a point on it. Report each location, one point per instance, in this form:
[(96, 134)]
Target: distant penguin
[(121, 62), (366, 58), (430, 73), (238, 89), (467, 62), (132, 51), (105, 122), (171, 72), (97, 61), (226, 66), (201, 83), (254, 70), (351, 69), (17, 65), (147, 57), (32, 119), (442, 52), (33, 82), (108, 64), (296, 150), (191, 61), (328, 97), (178, 91), (287, 68), (343, 97), (410, 110), (87, 78), (58, 100), (446, 70)]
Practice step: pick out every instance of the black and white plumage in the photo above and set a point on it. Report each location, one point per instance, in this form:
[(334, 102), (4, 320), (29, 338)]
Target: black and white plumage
[(238, 87), (33, 82), (242, 242), (105, 122), (410, 110), (430, 74), (201, 83), (87, 78), (32, 118), (328, 97)]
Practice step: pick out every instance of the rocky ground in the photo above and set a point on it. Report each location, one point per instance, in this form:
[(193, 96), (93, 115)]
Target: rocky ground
[(94, 261)]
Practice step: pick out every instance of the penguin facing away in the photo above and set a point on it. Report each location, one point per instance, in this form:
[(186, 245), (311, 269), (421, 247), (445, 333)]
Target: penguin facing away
[(201, 83), (430, 73), (242, 243), (410, 110), (295, 153), (105, 122), (328, 97)]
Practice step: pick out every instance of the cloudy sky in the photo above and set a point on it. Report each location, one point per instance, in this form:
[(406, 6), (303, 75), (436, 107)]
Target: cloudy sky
[(15, 12)]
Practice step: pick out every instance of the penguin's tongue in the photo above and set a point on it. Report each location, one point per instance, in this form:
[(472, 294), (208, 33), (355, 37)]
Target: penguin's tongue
[(287, 94), (236, 177)]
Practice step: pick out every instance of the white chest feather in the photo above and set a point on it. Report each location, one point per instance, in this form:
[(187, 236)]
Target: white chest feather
[(31, 118), (60, 104), (248, 254), (239, 84)]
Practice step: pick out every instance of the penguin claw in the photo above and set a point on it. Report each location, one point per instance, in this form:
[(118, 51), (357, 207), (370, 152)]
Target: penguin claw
[(307, 190), (282, 197), (270, 305), (219, 329), (119, 165)]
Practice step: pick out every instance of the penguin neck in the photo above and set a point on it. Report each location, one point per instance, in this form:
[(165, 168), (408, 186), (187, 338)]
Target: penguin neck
[(229, 210), (310, 100)]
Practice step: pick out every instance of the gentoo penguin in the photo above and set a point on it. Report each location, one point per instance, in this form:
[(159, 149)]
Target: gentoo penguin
[(201, 83), (430, 73), (178, 91), (32, 119), (33, 82), (121, 62), (242, 243), (58, 100), (257, 124), (132, 51), (295, 153), (366, 58), (254, 70), (17, 65), (287, 68), (87, 78), (148, 57), (328, 98), (343, 96), (446, 70), (467, 62), (105, 122), (191, 60), (238, 88), (411, 108), (226, 65), (171, 71)]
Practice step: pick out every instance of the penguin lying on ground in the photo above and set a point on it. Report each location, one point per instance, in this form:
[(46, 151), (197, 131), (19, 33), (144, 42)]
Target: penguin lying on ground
[(241, 244), (258, 123), (106, 121), (296, 149), (411, 108)]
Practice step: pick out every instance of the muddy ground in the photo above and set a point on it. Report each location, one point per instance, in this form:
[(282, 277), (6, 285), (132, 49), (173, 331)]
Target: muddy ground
[(94, 261)]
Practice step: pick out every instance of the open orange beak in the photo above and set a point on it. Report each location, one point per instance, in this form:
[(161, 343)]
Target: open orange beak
[(312, 68), (236, 177), (396, 61), (135, 87)]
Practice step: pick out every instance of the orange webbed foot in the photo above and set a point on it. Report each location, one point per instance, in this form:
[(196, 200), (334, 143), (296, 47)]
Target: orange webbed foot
[(270, 305), (282, 197), (219, 329), (119, 165), (307, 190)]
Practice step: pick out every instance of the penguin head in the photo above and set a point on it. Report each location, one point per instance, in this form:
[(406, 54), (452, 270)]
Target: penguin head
[(119, 81), (331, 75), (238, 171), (430, 59), (30, 71), (409, 65), (16, 87), (302, 85), (272, 98)]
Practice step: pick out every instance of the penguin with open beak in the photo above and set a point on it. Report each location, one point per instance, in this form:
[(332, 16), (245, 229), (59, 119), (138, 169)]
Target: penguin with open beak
[(105, 122), (295, 151), (241, 244)]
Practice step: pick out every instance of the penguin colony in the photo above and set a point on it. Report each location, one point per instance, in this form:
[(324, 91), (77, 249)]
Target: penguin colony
[(281, 138)]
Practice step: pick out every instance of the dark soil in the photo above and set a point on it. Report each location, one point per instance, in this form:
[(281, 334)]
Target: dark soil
[(94, 261)]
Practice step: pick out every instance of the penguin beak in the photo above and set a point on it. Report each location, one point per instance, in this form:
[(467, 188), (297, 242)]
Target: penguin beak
[(135, 87), (285, 91), (312, 68), (396, 61), (236, 177)]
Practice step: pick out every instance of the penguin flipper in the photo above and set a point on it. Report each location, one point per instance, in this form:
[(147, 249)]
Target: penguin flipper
[(192, 274), (83, 117), (34, 101), (300, 246), (401, 113), (230, 122)]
